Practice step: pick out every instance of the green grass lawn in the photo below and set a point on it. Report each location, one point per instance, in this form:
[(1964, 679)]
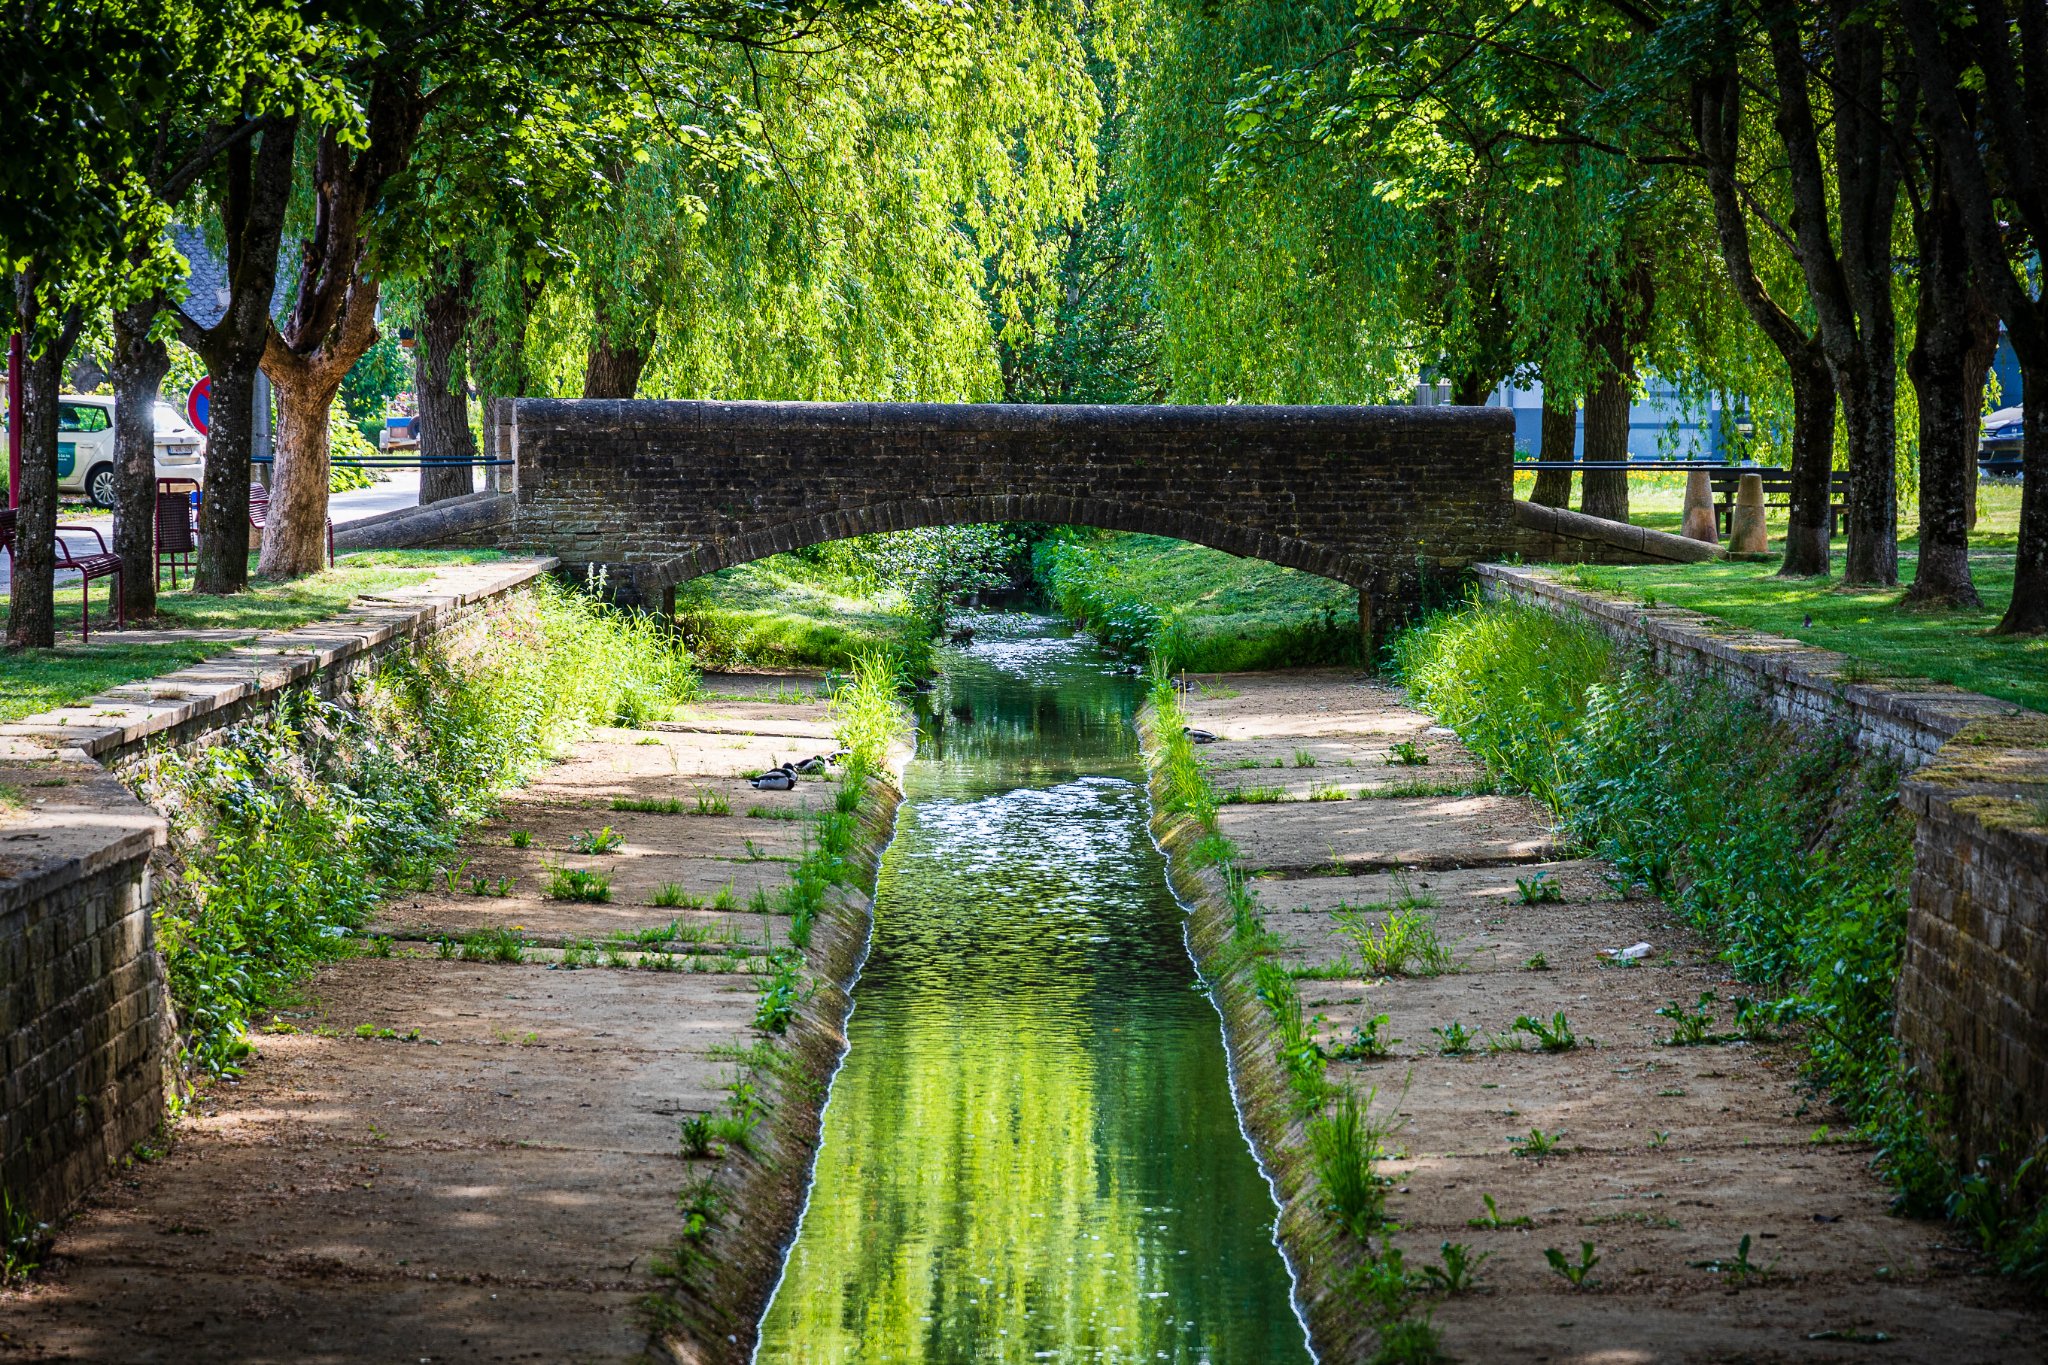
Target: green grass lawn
[(787, 612), (1864, 623), (36, 680)]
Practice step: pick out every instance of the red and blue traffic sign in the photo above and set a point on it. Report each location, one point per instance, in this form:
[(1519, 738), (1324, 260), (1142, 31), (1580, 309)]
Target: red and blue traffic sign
[(199, 403)]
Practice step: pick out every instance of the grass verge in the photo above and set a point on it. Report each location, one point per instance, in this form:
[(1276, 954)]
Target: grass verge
[(1186, 606), (1954, 647), (1783, 846), (36, 680)]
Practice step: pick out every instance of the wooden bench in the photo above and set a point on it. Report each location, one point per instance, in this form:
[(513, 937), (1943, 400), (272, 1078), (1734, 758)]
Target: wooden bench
[(1777, 493)]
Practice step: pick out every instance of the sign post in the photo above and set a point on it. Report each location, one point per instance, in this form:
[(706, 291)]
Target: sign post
[(199, 403)]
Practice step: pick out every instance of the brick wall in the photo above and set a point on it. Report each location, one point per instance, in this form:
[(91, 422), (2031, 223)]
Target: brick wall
[(664, 491), (82, 1007)]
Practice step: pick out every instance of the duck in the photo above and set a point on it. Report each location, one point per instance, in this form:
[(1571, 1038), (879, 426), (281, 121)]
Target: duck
[(816, 763), (777, 779), (1198, 736), (963, 636)]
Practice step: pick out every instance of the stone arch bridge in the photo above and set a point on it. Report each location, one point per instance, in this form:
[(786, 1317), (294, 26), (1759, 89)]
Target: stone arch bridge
[(659, 492)]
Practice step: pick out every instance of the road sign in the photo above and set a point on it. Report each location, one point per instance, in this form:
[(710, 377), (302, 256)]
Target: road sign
[(198, 403)]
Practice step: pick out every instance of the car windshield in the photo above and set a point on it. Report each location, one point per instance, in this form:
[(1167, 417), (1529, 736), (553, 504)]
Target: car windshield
[(171, 422)]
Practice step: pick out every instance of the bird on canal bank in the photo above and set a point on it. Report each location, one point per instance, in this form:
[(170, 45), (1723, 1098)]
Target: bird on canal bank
[(777, 779), (817, 763), (1198, 736)]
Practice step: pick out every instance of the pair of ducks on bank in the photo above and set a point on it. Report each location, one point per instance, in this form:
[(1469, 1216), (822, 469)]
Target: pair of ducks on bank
[(782, 777)]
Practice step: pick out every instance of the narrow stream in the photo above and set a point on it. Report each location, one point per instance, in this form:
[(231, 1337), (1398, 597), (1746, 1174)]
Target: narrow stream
[(1031, 1152)]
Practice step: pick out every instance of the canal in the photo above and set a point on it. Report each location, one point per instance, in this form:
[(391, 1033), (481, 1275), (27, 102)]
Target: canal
[(1031, 1153)]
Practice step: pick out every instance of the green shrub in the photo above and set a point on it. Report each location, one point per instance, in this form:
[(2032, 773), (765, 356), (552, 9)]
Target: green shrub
[(291, 825)]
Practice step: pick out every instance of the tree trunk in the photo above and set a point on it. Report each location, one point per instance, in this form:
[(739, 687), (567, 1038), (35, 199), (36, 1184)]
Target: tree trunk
[(295, 531), (1606, 490), (31, 604), (140, 364), (1813, 464), (613, 369), (443, 391), (1870, 415), (1560, 434), (2028, 612), (259, 183), (1951, 321)]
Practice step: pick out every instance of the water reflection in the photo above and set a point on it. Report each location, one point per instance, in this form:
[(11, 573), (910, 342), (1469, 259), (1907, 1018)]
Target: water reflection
[(1031, 1152)]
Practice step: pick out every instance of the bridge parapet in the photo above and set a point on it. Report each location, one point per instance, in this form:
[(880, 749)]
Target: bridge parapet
[(662, 491)]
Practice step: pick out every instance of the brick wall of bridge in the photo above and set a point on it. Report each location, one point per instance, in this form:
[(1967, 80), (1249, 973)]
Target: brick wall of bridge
[(664, 491)]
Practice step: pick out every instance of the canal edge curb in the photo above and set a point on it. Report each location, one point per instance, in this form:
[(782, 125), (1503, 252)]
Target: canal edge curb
[(1321, 1259), (710, 1313)]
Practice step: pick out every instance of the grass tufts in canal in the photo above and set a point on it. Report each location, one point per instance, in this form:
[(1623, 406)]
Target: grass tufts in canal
[(288, 828), (1784, 846)]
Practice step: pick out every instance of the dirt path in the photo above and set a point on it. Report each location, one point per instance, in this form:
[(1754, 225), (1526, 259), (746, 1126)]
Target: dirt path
[(1667, 1156), (432, 1158)]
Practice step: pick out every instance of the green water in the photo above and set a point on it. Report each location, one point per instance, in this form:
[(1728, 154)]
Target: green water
[(1031, 1152)]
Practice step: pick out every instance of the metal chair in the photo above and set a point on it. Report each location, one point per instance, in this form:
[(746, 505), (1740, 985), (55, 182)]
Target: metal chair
[(177, 527), (88, 567)]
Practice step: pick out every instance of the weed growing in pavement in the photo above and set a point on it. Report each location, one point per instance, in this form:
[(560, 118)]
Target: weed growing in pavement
[(1537, 962), (724, 898), (1252, 796), (578, 884), (1659, 1137), (1690, 1027), (1327, 791), (1741, 1269), (24, 1240), (1300, 1054), (648, 805), (1537, 1145), (1345, 1143), (775, 812), (712, 803), (605, 840), (1405, 943), (1370, 1041), (1493, 1219), (781, 993), (1304, 759), (670, 896), (1578, 1274), (1553, 1036), (578, 952), (1454, 1039), (1337, 969), (1538, 890), (493, 945), (1459, 1273), (380, 945), (1407, 754), (521, 838)]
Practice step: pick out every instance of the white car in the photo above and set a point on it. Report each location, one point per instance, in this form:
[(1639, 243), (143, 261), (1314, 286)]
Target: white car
[(85, 446)]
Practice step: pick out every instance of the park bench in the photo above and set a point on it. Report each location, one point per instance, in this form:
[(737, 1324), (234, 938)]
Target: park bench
[(1777, 493), (177, 528)]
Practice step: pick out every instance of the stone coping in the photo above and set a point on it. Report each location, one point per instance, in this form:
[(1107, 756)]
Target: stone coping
[(1910, 719), (121, 720)]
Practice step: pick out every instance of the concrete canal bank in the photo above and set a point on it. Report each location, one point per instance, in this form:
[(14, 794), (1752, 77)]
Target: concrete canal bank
[(1730, 1214)]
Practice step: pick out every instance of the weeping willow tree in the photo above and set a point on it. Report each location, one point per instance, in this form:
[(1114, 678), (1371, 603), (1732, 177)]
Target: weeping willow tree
[(862, 215)]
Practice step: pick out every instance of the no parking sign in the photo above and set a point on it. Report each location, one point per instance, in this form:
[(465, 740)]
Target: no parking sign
[(199, 403)]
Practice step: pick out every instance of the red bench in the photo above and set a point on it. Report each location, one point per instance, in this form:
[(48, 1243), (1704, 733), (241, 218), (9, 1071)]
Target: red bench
[(86, 566)]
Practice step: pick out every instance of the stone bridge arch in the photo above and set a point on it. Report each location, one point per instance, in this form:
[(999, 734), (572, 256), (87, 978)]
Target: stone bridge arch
[(663, 491)]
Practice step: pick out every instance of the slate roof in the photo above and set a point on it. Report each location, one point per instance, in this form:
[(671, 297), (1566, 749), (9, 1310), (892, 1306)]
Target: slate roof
[(206, 282)]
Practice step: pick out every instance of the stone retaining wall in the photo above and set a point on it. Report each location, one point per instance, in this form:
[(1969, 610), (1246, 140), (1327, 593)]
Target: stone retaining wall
[(1973, 986), (83, 1007)]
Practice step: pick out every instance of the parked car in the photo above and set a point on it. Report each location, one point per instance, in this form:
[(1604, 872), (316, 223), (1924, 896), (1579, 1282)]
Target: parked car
[(1998, 445), (85, 446)]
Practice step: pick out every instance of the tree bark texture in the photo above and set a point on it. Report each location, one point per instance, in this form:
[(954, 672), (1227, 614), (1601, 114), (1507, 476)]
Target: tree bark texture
[(1951, 322), (1807, 548), (31, 603), (1717, 127), (1606, 490), (140, 364), (1850, 289), (613, 368), (258, 187), (1559, 434), (2005, 126), (444, 391)]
